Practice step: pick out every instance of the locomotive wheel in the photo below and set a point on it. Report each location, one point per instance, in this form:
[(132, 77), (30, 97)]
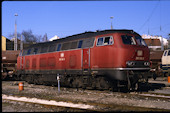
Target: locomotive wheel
[(4, 75), (35, 80)]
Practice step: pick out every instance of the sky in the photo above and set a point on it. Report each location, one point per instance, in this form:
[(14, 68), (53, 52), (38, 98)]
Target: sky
[(65, 18)]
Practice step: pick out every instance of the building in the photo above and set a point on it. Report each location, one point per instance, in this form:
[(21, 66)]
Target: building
[(54, 38), (155, 42), (3, 44), (9, 44)]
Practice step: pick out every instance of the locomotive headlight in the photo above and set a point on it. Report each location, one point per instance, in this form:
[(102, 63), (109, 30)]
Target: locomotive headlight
[(130, 63), (147, 63)]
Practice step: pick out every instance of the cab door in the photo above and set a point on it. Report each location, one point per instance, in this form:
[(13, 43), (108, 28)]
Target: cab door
[(86, 59), (22, 61)]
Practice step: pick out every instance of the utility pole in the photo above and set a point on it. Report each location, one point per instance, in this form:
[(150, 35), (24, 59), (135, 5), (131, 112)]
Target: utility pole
[(162, 45), (45, 37), (15, 40), (21, 44), (111, 22)]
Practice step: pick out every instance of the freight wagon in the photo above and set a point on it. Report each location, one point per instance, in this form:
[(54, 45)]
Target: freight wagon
[(8, 64)]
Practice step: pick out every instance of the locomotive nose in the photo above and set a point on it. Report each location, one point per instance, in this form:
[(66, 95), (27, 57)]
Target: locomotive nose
[(139, 55)]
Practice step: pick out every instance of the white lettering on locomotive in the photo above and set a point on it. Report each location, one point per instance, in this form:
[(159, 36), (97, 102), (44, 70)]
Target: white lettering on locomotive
[(139, 58), (61, 57)]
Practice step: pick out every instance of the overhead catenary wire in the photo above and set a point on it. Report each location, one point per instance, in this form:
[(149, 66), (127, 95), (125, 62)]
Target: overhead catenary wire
[(149, 16)]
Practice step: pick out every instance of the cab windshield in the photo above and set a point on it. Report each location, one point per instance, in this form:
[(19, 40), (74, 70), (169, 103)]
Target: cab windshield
[(131, 40), (140, 41), (128, 40)]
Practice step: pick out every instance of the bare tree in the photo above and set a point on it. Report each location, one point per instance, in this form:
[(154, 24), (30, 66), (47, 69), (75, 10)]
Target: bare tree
[(45, 38), (11, 36), (29, 37)]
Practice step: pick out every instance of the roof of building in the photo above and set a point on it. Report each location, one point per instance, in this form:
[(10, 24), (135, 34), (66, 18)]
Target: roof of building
[(152, 42)]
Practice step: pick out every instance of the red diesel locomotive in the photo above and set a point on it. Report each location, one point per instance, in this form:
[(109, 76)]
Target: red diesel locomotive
[(106, 59)]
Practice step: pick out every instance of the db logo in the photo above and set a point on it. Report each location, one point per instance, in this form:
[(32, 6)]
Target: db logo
[(61, 57), (61, 54)]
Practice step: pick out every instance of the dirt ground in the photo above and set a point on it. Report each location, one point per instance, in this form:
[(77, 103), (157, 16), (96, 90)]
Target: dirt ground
[(102, 100)]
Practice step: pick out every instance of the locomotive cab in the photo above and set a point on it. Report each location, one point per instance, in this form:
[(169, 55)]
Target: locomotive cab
[(122, 56), (134, 60)]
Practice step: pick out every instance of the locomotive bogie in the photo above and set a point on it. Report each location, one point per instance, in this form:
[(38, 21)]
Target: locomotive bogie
[(96, 60)]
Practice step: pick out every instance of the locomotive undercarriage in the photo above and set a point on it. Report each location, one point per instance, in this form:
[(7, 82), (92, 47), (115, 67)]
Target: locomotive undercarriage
[(137, 79), (132, 80)]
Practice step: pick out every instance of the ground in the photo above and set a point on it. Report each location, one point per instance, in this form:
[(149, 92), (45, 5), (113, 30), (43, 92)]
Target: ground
[(101, 100)]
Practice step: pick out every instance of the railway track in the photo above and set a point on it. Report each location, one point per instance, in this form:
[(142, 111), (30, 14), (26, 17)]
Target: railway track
[(72, 106), (76, 106), (95, 100)]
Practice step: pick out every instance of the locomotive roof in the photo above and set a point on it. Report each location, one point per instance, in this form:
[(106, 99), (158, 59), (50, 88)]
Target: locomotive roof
[(88, 34)]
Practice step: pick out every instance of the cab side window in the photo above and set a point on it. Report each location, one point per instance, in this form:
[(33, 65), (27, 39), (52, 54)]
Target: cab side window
[(108, 40), (105, 41), (100, 41)]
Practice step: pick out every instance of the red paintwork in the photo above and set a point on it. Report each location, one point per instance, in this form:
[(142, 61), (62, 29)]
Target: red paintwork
[(110, 56)]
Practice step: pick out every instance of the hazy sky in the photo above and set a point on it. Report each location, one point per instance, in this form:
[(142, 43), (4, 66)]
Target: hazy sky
[(64, 18)]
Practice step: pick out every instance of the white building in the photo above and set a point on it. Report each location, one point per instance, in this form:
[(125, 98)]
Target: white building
[(54, 38), (165, 41)]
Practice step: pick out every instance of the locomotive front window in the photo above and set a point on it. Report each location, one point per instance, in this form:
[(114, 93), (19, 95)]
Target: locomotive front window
[(129, 40), (140, 41)]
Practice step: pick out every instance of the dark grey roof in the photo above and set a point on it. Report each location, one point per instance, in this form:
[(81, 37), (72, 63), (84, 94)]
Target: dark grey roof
[(89, 34)]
